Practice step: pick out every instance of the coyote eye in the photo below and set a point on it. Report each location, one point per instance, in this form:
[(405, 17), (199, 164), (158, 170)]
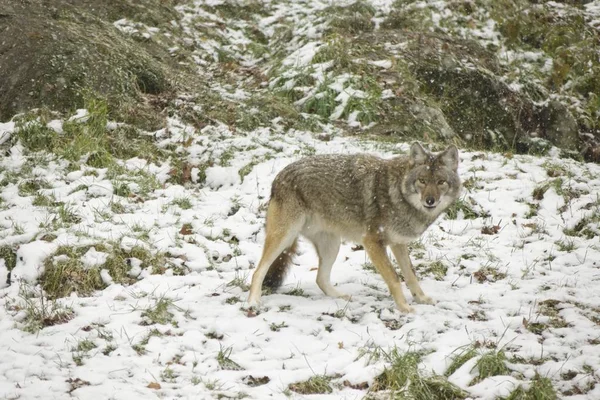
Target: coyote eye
[(441, 182), (422, 181)]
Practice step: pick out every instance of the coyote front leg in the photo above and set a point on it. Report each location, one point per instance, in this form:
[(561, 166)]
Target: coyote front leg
[(401, 253), (378, 255)]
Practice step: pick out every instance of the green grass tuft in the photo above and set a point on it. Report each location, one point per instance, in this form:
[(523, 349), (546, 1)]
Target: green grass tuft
[(492, 363), (318, 384), (40, 311), (403, 379), (159, 313), (540, 389), (437, 269), (462, 208), (459, 359), (225, 361), (64, 273)]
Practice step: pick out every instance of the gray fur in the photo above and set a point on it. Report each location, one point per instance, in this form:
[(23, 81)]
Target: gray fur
[(362, 198), (356, 191)]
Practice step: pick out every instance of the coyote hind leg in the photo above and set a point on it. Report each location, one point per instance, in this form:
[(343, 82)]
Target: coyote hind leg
[(282, 229)]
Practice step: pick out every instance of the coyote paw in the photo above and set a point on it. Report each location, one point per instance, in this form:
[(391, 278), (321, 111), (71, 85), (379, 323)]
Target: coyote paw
[(345, 297), (424, 300), (253, 302), (406, 309)]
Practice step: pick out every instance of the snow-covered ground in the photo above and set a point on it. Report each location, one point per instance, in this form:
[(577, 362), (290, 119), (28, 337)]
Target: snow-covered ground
[(500, 268), (514, 267)]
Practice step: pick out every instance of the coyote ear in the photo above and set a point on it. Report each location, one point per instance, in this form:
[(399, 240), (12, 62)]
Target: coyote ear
[(450, 157), (418, 155)]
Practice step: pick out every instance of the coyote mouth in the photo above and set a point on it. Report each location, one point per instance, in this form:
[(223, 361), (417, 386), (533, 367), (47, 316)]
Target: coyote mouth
[(430, 207)]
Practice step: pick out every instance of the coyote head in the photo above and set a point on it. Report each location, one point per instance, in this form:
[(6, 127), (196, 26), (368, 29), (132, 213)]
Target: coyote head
[(432, 181)]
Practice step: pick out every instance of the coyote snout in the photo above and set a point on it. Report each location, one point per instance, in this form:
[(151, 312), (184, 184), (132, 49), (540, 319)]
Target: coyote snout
[(362, 198)]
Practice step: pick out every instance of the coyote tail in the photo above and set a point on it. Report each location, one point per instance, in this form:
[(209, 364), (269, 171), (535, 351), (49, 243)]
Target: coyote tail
[(279, 268)]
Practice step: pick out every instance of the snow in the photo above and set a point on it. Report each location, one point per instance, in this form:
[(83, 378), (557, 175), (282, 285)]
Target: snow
[(385, 64), (217, 177), (30, 257), (224, 240), (206, 304), (6, 129), (93, 258), (303, 56), (56, 125), (81, 115)]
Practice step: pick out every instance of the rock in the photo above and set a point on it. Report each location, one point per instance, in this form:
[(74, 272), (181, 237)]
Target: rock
[(558, 126), (54, 53)]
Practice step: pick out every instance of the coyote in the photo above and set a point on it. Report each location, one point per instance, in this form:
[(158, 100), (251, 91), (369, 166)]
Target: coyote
[(362, 198)]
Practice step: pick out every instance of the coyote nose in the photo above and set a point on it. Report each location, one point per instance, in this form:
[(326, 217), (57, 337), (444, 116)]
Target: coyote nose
[(429, 201)]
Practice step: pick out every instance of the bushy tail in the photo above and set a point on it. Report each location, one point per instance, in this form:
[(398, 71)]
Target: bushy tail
[(279, 268)]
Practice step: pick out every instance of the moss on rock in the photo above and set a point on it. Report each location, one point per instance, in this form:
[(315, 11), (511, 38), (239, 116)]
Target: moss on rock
[(52, 54)]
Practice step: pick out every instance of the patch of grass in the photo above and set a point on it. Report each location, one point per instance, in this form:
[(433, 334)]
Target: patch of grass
[(239, 281), (322, 104), (318, 384), (465, 210), (225, 361), (66, 216), (352, 19), (533, 210), (246, 169), (488, 274), (540, 191), (550, 308), (41, 200), (183, 202), (40, 311), (587, 227), (297, 291), (368, 266), (9, 255), (168, 375), (566, 245), (140, 347), (492, 363), (554, 170), (460, 358), (34, 135), (226, 156), (109, 349), (85, 346), (233, 300), (560, 188), (144, 182), (536, 327), (89, 140), (277, 327), (64, 273), (437, 269), (337, 49), (404, 17), (31, 187), (540, 388), (117, 208), (118, 262), (403, 379), (159, 313), (214, 335)]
